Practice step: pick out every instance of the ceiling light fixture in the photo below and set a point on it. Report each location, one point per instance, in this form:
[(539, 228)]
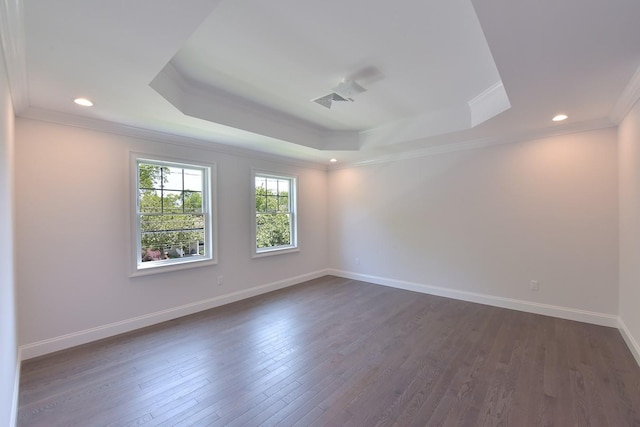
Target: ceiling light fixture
[(83, 101), (333, 160), (560, 117)]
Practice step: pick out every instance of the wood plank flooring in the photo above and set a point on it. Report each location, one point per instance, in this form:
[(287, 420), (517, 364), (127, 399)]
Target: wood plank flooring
[(338, 352)]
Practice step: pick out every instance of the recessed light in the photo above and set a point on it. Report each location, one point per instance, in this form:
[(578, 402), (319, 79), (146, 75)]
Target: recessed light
[(560, 117), (83, 101), (333, 160)]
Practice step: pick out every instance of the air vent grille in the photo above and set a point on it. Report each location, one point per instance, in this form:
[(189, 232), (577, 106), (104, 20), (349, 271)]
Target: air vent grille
[(345, 91), (327, 100)]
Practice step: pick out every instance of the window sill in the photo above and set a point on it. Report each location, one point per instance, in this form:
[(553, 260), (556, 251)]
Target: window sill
[(276, 251), (179, 264)]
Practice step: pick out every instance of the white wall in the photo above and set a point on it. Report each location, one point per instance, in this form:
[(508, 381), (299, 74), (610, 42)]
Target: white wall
[(72, 230), (488, 221), (8, 344), (476, 222), (629, 183)]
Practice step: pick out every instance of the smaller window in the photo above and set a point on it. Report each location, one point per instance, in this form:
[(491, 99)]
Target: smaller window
[(174, 222), (275, 219)]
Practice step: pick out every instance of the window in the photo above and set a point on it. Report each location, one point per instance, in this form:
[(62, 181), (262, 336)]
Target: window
[(275, 215), (174, 224)]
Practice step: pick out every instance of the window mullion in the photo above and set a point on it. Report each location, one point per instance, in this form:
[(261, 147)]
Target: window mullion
[(182, 190), (161, 189)]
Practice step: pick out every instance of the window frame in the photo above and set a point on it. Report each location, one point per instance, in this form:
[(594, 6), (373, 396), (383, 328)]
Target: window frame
[(293, 211), (210, 216)]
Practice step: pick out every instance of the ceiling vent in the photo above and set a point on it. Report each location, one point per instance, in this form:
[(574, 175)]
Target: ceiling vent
[(345, 91), (327, 100)]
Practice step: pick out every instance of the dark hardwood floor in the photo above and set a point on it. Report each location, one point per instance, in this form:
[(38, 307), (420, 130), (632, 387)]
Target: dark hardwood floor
[(339, 352)]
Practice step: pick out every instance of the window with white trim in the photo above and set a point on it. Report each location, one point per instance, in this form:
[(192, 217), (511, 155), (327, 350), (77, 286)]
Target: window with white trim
[(274, 225), (174, 222)]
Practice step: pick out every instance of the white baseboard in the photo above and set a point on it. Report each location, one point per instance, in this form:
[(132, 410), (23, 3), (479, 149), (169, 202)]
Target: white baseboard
[(513, 304), (82, 337), (628, 338), (13, 421), (40, 348)]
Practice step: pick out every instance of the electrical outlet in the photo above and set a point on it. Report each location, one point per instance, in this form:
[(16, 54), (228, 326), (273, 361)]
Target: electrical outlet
[(534, 285), (220, 280), (357, 261)]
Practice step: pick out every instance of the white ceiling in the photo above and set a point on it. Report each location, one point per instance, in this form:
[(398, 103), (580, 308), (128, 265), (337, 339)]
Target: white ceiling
[(244, 72)]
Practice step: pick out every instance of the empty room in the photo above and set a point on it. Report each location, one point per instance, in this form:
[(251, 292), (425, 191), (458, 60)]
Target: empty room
[(362, 213)]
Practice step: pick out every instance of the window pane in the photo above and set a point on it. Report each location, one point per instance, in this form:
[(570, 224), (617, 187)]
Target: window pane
[(173, 235), (172, 201), (149, 176), (150, 201), (273, 230), (272, 195), (272, 204), (266, 201), (283, 203), (261, 182), (172, 178), (193, 180), (192, 202)]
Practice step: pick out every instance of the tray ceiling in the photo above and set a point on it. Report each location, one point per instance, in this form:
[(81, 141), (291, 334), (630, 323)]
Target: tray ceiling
[(245, 72)]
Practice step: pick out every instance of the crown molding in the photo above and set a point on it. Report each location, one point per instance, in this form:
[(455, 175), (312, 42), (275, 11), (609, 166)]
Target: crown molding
[(167, 138), (13, 47), (50, 116), (196, 99), (630, 95), (480, 143)]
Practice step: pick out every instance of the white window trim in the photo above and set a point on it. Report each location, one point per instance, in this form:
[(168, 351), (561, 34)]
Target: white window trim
[(293, 200), (211, 218)]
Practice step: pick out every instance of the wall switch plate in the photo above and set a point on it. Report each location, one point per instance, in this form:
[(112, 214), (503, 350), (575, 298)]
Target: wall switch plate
[(534, 285), (220, 280)]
